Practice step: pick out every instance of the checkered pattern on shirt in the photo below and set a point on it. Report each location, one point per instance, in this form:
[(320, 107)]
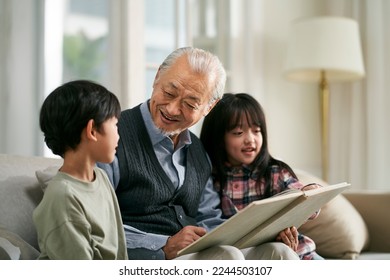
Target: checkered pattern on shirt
[(242, 188)]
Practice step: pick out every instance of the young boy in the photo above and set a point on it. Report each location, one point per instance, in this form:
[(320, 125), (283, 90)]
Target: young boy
[(78, 217)]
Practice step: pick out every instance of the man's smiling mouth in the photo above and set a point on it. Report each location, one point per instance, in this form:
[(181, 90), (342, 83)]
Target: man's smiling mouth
[(167, 117)]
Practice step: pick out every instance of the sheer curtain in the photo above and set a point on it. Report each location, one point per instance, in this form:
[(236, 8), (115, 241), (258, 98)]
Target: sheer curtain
[(20, 76), (360, 131)]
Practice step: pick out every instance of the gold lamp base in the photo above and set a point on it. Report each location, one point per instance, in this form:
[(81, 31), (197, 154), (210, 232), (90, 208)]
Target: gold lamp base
[(324, 100)]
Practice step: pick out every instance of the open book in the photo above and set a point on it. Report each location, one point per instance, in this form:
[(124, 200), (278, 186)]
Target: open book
[(262, 220)]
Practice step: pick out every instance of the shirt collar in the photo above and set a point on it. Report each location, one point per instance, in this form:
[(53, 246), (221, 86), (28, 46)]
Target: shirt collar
[(155, 134), (237, 169)]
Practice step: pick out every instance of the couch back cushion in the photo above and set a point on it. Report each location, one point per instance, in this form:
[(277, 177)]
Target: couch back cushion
[(13, 247), (20, 193), (339, 231), (18, 198)]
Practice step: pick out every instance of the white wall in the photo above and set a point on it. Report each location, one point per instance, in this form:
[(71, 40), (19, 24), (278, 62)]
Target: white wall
[(292, 110), (20, 77)]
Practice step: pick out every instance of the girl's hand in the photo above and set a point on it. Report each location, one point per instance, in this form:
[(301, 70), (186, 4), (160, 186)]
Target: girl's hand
[(310, 187), (289, 236)]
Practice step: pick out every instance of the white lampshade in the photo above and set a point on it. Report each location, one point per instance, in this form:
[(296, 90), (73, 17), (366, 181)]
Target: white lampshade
[(330, 44)]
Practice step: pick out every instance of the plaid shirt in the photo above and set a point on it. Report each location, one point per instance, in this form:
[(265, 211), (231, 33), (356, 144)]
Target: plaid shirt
[(242, 188)]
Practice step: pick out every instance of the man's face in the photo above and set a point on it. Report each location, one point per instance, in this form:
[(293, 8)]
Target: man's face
[(180, 98)]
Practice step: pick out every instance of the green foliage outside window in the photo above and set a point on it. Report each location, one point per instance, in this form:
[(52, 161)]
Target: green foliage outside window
[(83, 57)]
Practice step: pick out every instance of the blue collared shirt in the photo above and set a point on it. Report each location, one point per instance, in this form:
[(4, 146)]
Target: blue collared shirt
[(172, 159)]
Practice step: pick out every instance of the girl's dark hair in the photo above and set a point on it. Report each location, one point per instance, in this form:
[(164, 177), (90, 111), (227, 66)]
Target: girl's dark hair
[(225, 116), (67, 110)]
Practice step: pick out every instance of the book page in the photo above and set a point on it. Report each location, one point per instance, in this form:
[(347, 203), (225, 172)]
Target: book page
[(294, 214), (262, 220), (242, 223)]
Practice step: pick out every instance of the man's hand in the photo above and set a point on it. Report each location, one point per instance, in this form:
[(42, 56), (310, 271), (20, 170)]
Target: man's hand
[(182, 239), (289, 236)]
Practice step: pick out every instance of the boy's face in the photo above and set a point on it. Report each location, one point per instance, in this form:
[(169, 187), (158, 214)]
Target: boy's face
[(243, 144), (108, 138)]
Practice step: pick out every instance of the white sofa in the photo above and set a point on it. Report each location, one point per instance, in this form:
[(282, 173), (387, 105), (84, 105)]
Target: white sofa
[(351, 226)]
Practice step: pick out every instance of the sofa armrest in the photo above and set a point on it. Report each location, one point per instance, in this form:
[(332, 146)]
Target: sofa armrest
[(374, 207)]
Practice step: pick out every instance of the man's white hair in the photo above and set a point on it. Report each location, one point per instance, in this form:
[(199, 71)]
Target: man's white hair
[(203, 62)]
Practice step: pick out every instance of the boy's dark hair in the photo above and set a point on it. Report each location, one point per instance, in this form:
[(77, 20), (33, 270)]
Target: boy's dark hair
[(67, 110), (225, 116)]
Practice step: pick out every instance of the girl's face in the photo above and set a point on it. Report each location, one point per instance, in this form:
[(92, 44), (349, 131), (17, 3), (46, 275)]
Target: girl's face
[(243, 144)]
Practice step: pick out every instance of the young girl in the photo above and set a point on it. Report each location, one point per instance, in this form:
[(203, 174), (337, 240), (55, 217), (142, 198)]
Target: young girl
[(234, 134)]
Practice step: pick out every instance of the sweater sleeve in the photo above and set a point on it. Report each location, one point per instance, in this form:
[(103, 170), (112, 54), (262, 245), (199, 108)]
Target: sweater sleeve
[(74, 233), (209, 214), (144, 246)]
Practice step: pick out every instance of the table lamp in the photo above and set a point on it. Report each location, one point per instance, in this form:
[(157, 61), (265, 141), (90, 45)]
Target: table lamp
[(321, 50)]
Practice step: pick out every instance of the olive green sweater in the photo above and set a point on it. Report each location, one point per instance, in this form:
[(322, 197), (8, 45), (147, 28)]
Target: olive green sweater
[(80, 220)]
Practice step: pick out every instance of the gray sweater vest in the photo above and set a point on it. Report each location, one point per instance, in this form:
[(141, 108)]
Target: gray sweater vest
[(147, 198)]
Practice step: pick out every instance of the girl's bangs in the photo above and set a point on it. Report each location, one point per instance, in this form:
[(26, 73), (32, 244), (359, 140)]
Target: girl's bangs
[(244, 115)]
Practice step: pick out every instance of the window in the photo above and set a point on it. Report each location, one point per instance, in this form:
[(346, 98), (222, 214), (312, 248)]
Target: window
[(121, 44), (164, 32), (76, 41), (85, 40)]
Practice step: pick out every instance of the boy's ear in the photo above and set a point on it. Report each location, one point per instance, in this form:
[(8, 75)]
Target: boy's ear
[(90, 130)]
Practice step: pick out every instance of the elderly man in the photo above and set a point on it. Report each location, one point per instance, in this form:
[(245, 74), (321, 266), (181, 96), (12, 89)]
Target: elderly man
[(161, 173)]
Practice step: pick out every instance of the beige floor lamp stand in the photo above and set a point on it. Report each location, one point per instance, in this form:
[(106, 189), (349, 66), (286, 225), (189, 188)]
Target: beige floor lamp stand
[(321, 50), (324, 105)]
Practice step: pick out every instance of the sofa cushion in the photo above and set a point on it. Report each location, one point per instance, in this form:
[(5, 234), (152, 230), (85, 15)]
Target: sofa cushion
[(12, 246), (372, 206), (19, 196), (339, 231), (8, 251), (45, 175), (13, 165)]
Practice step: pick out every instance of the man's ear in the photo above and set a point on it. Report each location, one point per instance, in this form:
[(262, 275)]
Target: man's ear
[(211, 106), (90, 130), (157, 76)]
